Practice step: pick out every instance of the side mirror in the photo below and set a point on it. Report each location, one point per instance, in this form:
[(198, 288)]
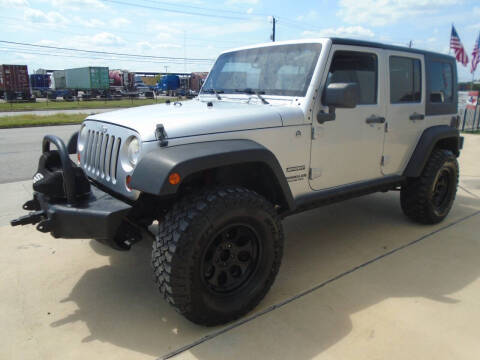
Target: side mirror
[(341, 95)]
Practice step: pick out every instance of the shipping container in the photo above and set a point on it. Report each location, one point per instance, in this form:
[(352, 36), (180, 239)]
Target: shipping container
[(87, 78), (40, 81), (14, 82), (58, 80), (169, 82), (196, 80)]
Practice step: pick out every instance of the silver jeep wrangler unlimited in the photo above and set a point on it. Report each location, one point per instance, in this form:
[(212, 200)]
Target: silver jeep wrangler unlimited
[(276, 129)]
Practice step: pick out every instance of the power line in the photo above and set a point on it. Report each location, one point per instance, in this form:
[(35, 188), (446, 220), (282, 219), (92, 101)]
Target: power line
[(205, 8), (105, 29), (32, 52), (175, 11), (108, 53)]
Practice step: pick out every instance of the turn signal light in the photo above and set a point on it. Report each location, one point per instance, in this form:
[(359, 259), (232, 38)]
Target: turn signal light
[(174, 178), (128, 180), (78, 158)]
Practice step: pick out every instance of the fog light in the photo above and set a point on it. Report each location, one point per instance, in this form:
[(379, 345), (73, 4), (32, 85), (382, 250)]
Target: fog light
[(128, 180), (174, 178)]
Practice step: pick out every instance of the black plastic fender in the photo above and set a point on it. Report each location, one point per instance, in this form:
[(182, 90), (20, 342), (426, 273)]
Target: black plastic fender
[(151, 173), (430, 138)]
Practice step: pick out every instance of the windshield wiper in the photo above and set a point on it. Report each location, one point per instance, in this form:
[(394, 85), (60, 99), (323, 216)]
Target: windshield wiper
[(213, 91), (254, 92)]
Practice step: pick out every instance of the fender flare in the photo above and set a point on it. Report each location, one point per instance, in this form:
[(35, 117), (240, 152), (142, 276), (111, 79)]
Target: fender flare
[(427, 142), (151, 173)]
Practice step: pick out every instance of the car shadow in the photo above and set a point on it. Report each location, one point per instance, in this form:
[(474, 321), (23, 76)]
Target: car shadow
[(120, 305)]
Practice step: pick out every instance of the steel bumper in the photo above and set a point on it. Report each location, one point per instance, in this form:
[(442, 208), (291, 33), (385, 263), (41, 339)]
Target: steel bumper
[(97, 217)]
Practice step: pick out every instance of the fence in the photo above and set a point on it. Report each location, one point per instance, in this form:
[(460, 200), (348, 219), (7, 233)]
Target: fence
[(471, 119), (469, 111)]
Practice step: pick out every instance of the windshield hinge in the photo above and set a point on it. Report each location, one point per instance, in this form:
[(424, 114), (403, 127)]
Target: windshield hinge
[(314, 135), (386, 127)]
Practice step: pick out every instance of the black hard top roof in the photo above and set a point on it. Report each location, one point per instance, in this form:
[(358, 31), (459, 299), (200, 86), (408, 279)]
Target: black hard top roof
[(353, 42)]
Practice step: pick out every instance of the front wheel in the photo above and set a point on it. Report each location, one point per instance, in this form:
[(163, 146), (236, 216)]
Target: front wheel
[(217, 254), (429, 198)]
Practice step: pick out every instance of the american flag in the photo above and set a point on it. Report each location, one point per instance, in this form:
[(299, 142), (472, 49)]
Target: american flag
[(476, 55), (457, 46)]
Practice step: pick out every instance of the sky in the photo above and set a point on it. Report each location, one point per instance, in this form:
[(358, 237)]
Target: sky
[(167, 32)]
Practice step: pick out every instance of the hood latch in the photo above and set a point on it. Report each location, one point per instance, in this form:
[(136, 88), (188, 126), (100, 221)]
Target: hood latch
[(161, 135)]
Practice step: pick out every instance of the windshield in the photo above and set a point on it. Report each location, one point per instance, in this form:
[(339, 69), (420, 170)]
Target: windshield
[(273, 70)]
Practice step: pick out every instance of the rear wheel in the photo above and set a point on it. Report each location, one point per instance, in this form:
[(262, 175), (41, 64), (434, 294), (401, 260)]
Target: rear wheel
[(217, 253), (429, 198)]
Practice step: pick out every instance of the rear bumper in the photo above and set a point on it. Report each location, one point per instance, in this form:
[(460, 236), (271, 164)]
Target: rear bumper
[(97, 217)]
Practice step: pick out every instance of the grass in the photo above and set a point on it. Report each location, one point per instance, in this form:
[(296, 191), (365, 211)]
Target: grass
[(68, 105), (39, 120)]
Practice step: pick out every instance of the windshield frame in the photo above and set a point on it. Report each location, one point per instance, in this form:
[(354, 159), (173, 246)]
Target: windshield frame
[(222, 59)]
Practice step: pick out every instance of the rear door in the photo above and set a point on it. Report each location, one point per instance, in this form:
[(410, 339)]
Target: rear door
[(405, 109)]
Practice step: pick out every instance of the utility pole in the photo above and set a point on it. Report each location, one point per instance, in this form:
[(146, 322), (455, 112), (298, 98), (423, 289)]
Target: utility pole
[(184, 52), (410, 44), (166, 69), (273, 28)]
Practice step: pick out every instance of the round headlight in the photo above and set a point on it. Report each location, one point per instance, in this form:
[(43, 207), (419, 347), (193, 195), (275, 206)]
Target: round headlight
[(82, 138), (133, 151)]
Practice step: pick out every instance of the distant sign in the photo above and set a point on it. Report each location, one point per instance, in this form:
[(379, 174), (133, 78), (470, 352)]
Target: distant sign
[(472, 99)]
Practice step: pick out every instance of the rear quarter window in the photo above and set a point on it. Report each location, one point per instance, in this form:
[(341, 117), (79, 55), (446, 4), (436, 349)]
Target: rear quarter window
[(441, 73), (441, 82)]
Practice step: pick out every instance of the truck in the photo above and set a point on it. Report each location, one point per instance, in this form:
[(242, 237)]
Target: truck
[(277, 129), (121, 81), (14, 84), (196, 80), (91, 80), (169, 83)]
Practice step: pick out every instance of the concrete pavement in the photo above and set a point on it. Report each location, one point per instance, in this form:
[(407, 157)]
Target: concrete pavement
[(358, 281)]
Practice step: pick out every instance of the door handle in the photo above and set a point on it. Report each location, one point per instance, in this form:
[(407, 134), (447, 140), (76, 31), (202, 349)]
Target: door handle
[(375, 120), (416, 116)]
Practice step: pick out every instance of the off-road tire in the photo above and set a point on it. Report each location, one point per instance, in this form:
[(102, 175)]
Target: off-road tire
[(186, 231), (418, 194)]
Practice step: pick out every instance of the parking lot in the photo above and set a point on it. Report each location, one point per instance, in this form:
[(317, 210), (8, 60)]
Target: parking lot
[(358, 281)]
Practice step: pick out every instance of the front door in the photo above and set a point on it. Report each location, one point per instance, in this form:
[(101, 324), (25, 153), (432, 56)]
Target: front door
[(349, 149), (405, 109)]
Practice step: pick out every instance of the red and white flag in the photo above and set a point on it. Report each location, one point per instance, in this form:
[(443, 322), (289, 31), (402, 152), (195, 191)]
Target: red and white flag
[(475, 55), (458, 48)]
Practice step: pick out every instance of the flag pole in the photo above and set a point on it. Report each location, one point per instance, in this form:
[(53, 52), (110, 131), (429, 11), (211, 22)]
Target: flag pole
[(449, 46)]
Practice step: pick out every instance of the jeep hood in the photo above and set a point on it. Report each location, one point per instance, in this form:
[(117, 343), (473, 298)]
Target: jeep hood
[(196, 118)]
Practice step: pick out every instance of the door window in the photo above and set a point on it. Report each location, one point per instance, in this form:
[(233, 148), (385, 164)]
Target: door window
[(356, 67), (405, 80)]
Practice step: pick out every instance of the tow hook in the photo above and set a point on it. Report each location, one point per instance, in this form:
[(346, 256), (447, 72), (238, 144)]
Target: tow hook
[(32, 218)]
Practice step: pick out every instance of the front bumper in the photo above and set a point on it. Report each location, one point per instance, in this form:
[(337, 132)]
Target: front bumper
[(97, 216)]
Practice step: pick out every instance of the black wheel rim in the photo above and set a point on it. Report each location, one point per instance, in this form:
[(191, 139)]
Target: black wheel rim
[(230, 259), (442, 190)]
